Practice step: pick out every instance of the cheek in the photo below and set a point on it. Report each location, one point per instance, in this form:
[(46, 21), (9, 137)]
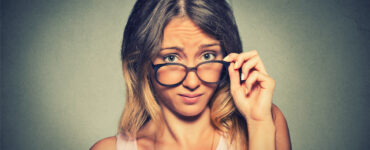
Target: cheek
[(211, 91), (162, 93), (211, 87)]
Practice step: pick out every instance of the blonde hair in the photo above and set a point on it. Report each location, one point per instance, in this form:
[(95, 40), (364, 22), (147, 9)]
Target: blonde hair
[(142, 37)]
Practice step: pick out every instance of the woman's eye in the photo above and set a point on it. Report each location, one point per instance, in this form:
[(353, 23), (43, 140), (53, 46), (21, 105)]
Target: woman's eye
[(170, 58), (208, 56)]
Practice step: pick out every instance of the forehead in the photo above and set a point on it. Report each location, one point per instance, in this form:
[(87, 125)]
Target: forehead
[(184, 32)]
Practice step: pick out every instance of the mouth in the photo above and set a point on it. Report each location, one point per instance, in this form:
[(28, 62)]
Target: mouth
[(190, 98)]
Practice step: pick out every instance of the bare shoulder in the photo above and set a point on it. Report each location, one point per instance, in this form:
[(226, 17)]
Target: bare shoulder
[(276, 112), (282, 130), (108, 143), (146, 136), (279, 118)]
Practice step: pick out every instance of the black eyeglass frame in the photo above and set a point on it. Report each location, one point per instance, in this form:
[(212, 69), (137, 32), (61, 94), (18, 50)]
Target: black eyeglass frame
[(188, 69)]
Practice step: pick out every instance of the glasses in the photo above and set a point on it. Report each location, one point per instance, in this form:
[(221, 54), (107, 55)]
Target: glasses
[(173, 74)]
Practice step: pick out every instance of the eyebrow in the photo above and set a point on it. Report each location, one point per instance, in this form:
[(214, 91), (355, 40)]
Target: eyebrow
[(209, 45), (174, 47), (181, 49)]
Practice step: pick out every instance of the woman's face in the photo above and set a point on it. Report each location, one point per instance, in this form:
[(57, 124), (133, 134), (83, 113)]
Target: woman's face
[(184, 42)]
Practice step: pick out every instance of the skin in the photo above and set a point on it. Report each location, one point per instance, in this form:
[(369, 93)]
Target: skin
[(253, 98)]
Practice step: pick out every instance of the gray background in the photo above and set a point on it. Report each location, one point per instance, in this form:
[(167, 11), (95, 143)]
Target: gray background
[(62, 85)]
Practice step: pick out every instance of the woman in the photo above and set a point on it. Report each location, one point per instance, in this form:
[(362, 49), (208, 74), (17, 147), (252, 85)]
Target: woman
[(189, 86)]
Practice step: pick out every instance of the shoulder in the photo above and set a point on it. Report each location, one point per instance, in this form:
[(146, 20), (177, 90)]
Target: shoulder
[(146, 136), (282, 130), (278, 117), (108, 143), (145, 142), (276, 112)]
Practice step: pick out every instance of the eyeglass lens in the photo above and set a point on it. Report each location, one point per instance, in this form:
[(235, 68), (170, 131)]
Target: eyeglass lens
[(173, 74)]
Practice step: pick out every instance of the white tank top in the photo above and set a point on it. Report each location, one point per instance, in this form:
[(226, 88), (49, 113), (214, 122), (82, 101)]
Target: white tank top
[(125, 143)]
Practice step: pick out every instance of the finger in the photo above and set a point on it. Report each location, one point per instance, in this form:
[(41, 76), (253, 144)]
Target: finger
[(244, 57), (231, 57), (234, 78), (265, 82), (241, 58), (255, 62), (260, 67), (248, 66)]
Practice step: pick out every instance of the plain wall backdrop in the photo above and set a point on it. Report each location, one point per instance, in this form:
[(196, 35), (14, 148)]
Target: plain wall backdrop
[(62, 85)]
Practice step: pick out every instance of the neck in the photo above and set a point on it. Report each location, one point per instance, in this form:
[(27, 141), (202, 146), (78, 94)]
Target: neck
[(186, 130)]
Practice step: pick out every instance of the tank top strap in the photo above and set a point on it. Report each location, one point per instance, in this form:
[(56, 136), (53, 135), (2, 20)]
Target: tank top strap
[(222, 143), (125, 143)]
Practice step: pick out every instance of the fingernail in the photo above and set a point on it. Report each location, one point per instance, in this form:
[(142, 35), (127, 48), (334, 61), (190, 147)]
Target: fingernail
[(242, 77), (246, 90), (226, 58), (236, 65)]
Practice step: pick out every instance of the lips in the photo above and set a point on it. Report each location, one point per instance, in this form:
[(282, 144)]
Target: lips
[(190, 98)]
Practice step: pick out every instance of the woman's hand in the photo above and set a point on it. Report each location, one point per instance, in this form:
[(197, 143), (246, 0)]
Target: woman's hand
[(252, 96)]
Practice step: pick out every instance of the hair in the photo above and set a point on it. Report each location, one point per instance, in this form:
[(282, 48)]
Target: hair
[(142, 39)]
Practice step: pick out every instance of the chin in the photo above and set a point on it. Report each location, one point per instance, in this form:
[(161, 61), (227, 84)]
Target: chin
[(191, 112)]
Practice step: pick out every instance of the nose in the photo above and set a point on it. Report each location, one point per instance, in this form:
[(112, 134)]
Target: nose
[(191, 81)]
